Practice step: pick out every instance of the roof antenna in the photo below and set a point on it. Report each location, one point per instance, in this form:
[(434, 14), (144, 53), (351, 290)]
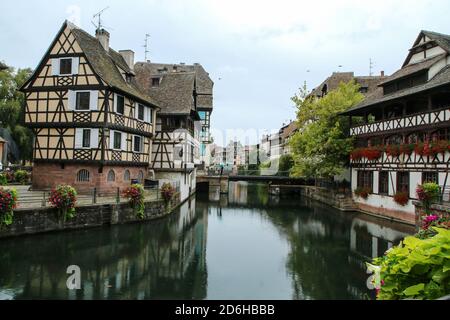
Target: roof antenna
[(98, 15), (371, 64), (146, 46)]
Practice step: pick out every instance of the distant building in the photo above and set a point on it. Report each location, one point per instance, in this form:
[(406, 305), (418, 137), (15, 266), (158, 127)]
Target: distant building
[(367, 83), (3, 66), (409, 115)]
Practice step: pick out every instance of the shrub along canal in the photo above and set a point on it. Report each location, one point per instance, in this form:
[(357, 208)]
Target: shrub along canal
[(244, 245)]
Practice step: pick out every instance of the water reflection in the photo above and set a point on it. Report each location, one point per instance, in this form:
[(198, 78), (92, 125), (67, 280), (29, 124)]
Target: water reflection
[(159, 260), (244, 245)]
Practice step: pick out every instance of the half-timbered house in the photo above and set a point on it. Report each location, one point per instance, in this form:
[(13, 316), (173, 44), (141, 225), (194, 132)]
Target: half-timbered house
[(402, 131), (203, 97), (176, 144), (93, 125)]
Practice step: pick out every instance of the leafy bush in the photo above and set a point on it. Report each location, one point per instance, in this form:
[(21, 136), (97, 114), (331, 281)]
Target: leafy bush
[(286, 162), (21, 176), (401, 198), (3, 180), (136, 198), (416, 268), (362, 192), (64, 198), (8, 202)]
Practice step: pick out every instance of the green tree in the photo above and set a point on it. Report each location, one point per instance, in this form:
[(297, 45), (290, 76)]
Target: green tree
[(321, 147), (286, 162), (12, 109)]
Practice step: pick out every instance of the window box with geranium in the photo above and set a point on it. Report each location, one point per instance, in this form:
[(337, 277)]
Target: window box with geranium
[(401, 198), (8, 202), (393, 150), (64, 198), (136, 199)]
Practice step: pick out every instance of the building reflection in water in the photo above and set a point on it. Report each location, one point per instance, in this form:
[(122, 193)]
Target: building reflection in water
[(157, 260)]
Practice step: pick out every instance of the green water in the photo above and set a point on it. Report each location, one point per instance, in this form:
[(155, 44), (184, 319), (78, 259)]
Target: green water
[(246, 245)]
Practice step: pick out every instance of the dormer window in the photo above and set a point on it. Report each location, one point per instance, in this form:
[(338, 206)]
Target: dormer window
[(128, 78), (155, 82)]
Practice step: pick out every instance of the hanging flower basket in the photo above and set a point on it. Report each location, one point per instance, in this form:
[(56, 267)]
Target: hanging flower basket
[(373, 153), (401, 198), (64, 198), (8, 202), (356, 154), (136, 199)]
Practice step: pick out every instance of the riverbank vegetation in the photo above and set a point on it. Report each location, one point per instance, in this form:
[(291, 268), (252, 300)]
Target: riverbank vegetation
[(419, 267), (321, 146)]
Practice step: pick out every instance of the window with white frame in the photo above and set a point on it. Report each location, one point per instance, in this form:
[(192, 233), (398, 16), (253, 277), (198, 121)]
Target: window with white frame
[(82, 101), (65, 66), (86, 138), (138, 144), (141, 112), (119, 104), (118, 140)]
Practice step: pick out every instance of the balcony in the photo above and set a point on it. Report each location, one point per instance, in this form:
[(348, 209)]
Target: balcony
[(404, 122)]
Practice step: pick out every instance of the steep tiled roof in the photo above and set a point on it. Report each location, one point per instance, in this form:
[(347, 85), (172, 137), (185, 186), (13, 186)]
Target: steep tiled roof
[(442, 78), (106, 64), (289, 130), (174, 93), (204, 84), (413, 68)]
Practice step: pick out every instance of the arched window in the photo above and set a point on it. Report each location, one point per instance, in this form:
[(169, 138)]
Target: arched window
[(141, 176), (126, 175), (83, 175), (111, 176)]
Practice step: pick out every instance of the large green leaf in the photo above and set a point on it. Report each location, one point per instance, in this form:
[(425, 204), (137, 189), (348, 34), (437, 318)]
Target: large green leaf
[(414, 290)]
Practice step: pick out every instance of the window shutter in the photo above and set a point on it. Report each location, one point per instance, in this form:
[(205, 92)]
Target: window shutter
[(142, 144), (71, 99), (93, 102), (94, 138), (136, 110), (115, 102), (75, 65), (78, 138), (55, 67), (111, 139), (124, 141)]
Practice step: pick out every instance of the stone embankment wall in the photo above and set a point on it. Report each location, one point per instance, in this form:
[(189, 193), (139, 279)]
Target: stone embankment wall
[(329, 197), (39, 220), (442, 210)]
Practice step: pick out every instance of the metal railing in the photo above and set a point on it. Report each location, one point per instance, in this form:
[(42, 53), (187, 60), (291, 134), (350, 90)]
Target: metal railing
[(39, 199)]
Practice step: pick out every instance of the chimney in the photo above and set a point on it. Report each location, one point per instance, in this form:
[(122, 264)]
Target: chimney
[(128, 56), (103, 36), (382, 73)]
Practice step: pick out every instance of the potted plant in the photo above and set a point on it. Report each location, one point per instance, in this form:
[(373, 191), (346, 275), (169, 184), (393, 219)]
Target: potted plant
[(136, 199), (64, 198), (373, 153), (428, 193), (167, 193), (8, 202), (21, 176)]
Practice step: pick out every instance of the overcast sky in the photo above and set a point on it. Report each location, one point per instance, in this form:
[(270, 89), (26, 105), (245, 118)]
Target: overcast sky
[(257, 52)]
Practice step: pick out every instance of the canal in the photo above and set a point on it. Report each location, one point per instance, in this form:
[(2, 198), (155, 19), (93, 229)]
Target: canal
[(244, 245)]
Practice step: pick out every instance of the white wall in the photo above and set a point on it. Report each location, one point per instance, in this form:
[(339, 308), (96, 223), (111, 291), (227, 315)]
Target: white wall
[(173, 177)]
